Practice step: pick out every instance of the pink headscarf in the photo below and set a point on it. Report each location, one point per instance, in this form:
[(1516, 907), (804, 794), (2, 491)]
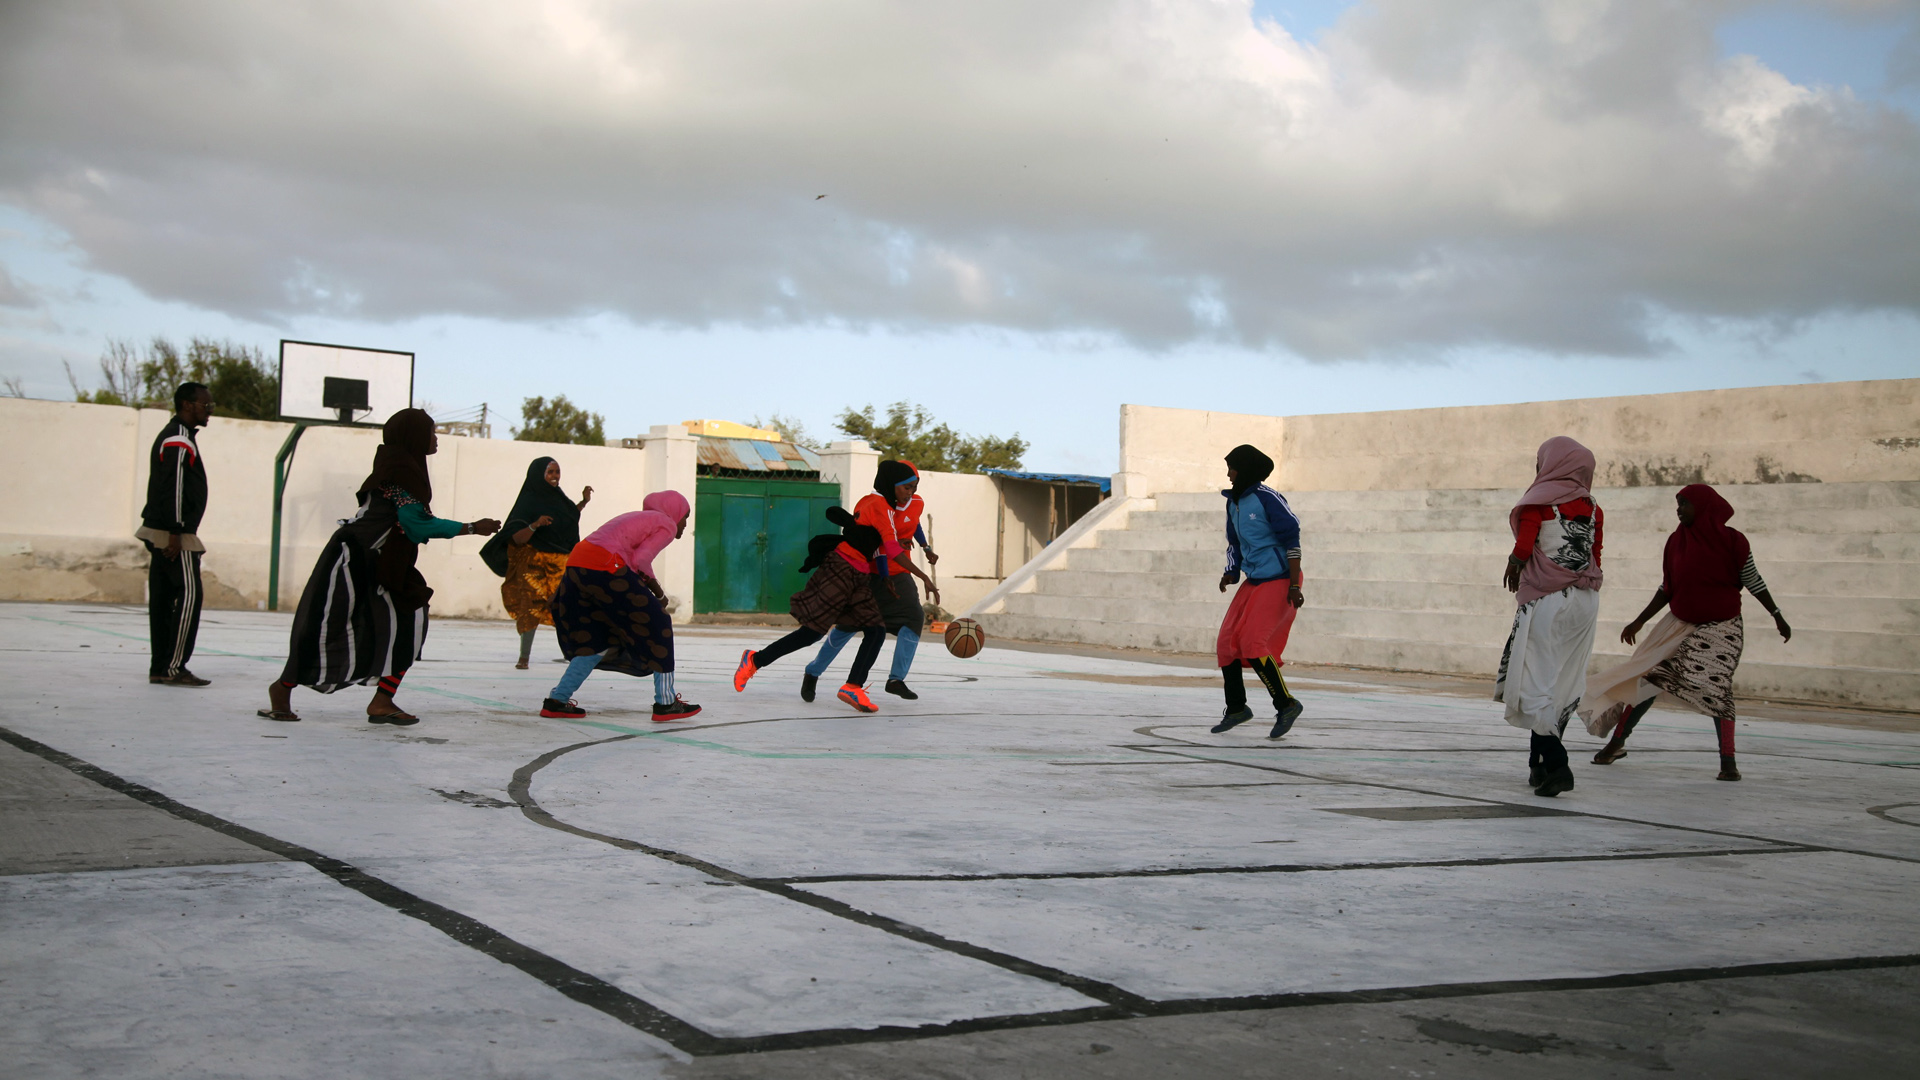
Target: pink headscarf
[(671, 503), (1563, 471)]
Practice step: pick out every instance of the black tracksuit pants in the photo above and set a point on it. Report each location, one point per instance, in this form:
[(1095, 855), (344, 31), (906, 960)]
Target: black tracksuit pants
[(173, 608)]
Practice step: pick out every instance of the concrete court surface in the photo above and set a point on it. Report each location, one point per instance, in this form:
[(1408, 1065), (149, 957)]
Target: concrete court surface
[(1045, 867)]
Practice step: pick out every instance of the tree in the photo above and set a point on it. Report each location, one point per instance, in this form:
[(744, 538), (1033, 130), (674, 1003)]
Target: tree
[(237, 376), (790, 429), (910, 433), (559, 421)]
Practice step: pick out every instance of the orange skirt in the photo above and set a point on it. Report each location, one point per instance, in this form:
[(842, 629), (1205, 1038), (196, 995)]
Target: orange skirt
[(532, 579)]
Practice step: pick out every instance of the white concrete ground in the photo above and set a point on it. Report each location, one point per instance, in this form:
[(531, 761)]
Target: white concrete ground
[(1040, 840)]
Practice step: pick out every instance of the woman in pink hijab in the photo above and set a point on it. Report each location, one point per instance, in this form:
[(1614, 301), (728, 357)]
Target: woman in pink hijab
[(1554, 573), (608, 611)]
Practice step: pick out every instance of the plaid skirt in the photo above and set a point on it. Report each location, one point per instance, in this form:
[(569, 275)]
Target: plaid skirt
[(836, 595), (596, 611)]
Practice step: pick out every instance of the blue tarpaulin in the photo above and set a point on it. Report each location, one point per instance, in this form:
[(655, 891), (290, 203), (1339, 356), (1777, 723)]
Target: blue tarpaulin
[(1104, 483)]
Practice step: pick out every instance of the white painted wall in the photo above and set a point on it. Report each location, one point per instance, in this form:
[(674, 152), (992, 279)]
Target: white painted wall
[(1835, 432), (67, 522)]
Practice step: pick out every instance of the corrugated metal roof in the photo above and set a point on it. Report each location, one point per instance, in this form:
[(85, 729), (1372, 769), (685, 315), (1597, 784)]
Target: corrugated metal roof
[(724, 457), (1104, 483)]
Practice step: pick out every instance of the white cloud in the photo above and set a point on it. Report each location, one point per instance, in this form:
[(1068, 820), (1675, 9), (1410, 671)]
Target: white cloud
[(1544, 174)]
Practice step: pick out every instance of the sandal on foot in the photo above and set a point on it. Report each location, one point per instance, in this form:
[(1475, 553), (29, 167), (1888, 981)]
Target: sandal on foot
[(397, 718), (277, 714), (1609, 754)]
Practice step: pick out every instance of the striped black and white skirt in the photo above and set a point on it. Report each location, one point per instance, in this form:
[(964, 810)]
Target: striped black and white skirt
[(348, 631)]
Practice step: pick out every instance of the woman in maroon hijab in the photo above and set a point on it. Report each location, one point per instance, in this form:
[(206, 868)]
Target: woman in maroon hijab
[(1691, 652)]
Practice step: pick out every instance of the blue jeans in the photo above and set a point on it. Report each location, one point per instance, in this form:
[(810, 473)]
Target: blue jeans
[(903, 650)]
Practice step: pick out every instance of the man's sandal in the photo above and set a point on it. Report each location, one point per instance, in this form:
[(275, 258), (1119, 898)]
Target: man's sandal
[(277, 714)]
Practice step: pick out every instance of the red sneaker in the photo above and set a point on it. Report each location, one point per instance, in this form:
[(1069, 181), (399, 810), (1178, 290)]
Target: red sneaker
[(856, 696), (745, 671), (561, 710), (679, 710)]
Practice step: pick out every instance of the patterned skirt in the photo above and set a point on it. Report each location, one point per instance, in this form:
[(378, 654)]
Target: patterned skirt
[(1700, 671), (596, 611), (836, 595), (532, 579)]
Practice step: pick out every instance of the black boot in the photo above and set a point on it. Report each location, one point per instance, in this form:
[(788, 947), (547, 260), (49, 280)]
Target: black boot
[(806, 687)]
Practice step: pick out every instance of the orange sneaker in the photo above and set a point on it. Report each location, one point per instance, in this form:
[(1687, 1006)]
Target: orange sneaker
[(745, 671), (856, 696)]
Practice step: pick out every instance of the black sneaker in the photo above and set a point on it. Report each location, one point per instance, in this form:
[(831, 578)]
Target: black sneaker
[(1555, 782), (1233, 718), (561, 710), (679, 710), (185, 678), (898, 688), (807, 683), (1283, 721)]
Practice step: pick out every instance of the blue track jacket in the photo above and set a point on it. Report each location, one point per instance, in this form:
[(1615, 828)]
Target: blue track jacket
[(1261, 532)]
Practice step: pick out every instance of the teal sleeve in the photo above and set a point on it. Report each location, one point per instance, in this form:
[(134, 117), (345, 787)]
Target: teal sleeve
[(421, 526)]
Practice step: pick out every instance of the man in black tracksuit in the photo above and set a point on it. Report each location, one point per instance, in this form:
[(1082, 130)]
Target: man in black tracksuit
[(176, 497)]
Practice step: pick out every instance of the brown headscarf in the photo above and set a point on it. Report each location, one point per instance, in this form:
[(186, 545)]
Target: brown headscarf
[(401, 460)]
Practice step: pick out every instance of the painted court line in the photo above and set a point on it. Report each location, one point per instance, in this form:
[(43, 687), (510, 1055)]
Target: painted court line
[(643, 1016)]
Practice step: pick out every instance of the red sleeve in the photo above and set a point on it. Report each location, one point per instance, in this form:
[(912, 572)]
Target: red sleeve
[(1529, 531), (1599, 532)]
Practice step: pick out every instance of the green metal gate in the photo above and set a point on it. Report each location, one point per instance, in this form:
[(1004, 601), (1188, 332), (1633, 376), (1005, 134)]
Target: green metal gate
[(750, 537)]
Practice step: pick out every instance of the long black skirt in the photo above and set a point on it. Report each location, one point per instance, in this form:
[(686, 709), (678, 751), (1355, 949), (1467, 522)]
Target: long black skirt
[(597, 612), (348, 631)]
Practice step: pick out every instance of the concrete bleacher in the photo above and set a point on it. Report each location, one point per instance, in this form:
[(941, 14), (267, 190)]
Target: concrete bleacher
[(1410, 580)]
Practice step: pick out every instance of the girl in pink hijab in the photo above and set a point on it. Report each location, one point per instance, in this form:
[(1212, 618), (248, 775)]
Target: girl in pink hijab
[(608, 611), (1554, 574)]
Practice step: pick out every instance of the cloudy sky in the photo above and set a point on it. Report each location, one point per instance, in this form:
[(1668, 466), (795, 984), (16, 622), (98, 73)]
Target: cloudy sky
[(1032, 212)]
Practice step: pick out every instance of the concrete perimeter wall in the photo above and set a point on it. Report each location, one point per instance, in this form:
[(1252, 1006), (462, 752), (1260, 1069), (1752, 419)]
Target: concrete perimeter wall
[(66, 525), (1822, 432), (67, 522)]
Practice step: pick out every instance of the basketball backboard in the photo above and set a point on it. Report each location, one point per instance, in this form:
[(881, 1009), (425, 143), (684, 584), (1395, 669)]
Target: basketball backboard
[(341, 383)]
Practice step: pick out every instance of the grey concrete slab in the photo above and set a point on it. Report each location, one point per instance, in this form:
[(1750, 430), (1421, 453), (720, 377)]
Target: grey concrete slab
[(270, 971), (1024, 852), (51, 819), (1837, 1024)]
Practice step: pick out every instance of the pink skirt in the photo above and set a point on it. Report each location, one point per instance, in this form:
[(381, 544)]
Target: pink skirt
[(1257, 623)]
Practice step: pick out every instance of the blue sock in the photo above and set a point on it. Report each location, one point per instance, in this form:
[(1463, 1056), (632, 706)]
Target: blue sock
[(663, 688), (577, 671), (903, 649), (836, 640)]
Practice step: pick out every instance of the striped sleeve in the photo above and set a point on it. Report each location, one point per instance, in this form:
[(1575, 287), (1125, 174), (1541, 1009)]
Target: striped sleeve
[(1750, 578)]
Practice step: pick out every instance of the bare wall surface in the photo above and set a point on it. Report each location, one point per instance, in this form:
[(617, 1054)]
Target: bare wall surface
[(68, 533), (1832, 432)]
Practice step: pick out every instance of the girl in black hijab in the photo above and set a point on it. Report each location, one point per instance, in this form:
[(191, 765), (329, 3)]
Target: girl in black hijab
[(363, 616), (530, 552)]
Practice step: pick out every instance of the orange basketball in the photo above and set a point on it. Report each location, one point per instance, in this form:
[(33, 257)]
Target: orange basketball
[(965, 638)]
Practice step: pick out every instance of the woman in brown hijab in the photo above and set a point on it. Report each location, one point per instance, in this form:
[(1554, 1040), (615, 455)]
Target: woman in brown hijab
[(363, 616)]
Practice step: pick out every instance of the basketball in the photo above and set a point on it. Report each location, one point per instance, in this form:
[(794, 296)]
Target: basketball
[(964, 638)]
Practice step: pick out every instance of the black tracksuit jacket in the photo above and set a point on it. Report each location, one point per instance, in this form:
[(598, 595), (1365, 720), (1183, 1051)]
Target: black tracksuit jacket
[(177, 484)]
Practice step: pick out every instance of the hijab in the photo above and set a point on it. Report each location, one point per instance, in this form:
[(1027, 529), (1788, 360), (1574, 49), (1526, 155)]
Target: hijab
[(1562, 472), (401, 461), (890, 475), (1251, 466), (863, 539), (1702, 562), (537, 498), (671, 503)]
